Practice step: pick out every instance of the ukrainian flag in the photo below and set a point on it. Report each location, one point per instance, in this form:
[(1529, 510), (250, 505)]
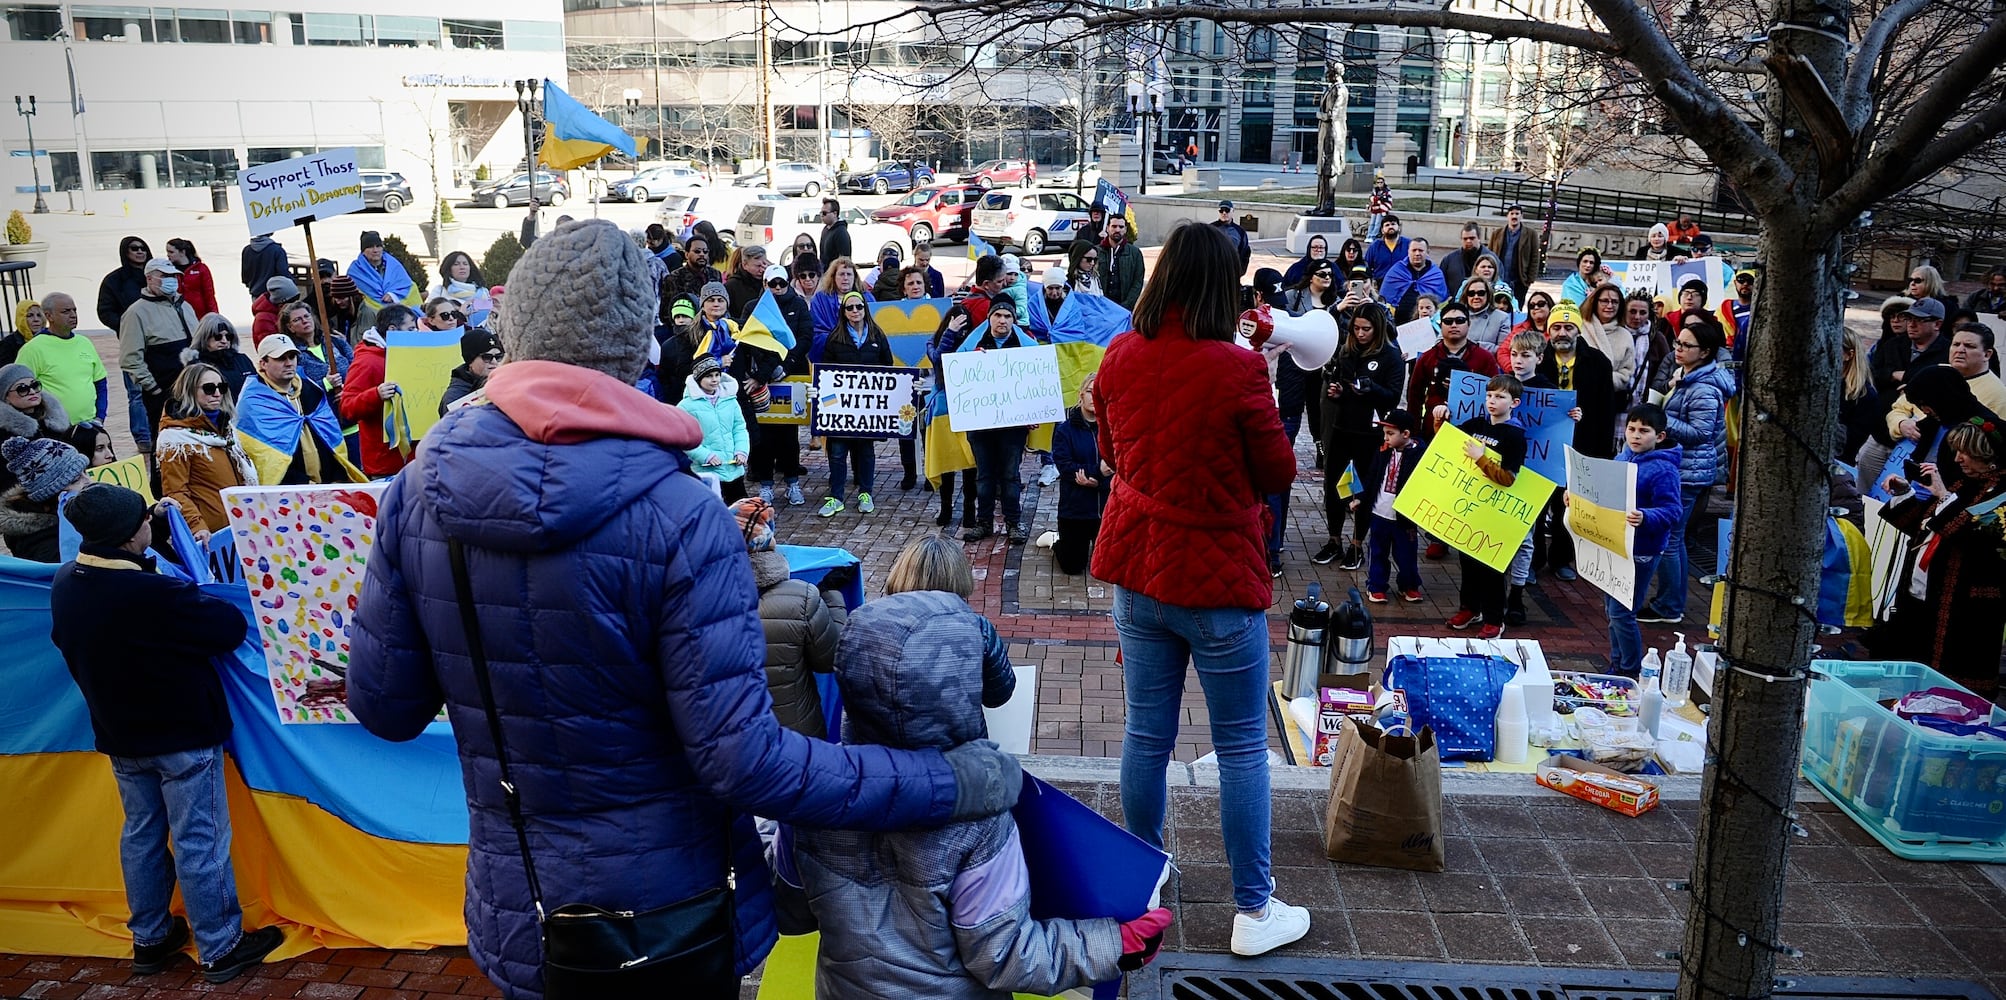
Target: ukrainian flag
[(1347, 484), (909, 325), (1082, 331), (766, 328), (269, 429), (1845, 578), (978, 248), (573, 136)]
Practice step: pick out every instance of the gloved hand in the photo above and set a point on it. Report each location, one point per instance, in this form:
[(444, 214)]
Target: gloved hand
[(987, 781), (1141, 937)]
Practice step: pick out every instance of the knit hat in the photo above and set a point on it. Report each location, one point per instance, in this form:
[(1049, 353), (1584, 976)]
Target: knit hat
[(106, 514), (1661, 230), (1895, 305), (581, 296), (681, 307), (1564, 313), (13, 375), (755, 522), (1011, 265), (705, 366), (43, 465), (713, 290), (371, 238), (281, 290), (476, 342), (341, 285)]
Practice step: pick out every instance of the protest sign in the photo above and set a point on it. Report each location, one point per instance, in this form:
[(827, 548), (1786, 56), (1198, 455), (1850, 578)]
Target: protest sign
[(303, 550), (863, 401), (1542, 412), (1663, 277), (1601, 493), (421, 363), (1013, 387), (1415, 337), (1451, 499), (908, 324), (789, 406), (305, 188), (130, 474)]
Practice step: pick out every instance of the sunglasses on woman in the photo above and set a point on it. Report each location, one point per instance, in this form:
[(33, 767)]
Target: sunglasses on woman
[(28, 388), (853, 308), (454, 317), (212, 388)]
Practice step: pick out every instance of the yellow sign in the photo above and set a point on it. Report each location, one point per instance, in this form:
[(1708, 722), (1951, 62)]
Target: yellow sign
[(789, 404), (1451, 499), (130, 474), (421, 363)]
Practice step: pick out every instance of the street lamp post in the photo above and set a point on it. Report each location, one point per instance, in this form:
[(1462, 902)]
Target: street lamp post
[(525, 101), (27, 114), (633, 96), (1143, 113)]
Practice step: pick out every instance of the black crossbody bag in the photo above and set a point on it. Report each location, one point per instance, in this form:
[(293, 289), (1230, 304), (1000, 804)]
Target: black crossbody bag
[(592, 953)]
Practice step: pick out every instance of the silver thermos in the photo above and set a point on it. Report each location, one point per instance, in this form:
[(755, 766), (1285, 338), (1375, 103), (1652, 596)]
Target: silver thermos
[(1309, 631), (1350, 637)]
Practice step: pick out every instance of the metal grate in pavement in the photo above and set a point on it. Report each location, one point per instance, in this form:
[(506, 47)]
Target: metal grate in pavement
[(1220, 977)]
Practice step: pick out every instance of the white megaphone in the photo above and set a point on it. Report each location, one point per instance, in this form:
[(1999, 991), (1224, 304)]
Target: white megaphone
[(1309, 339)]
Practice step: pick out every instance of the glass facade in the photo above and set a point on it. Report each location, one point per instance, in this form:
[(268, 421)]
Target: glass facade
[(36, 22)]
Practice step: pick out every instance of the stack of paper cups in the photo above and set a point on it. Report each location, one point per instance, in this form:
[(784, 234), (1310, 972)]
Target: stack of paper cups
[(1513, 733)]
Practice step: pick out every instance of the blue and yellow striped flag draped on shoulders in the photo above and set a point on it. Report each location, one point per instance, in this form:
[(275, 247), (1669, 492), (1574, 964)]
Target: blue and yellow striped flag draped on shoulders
[(269, 429)]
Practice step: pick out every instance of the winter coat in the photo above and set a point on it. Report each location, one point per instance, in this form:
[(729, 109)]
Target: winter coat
[(1490, 327), (462, 384), (1428, 386), (1594, 432), (687, 282), (53, 423), (622, 631), (320, 362), (802, 626), (1952, 628), (940, 913), (1985, 387), (198, 288), (1122, 272), (825, 312), (679, 358), (1658, 482), (1402, 285), (1379, 259), (118, 291), (264, 319), (263, 260), (742, 291), (28, 527), (1528, 261), (1696, 416), (232, 363), (835, 241), (149, 683), (1457, 269), (1618, 345), (1192, 430), (1074, 449), (724, 432), (1375, 475), (1238, 237), (801, 323), (151, 336), (1857, 420), (361, 406), (1371, 384), (842, 348), (198, 461), (1896, 354)]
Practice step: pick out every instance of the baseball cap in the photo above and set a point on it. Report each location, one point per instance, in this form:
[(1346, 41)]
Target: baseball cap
[(161, 265), (1398, 419), (275, 345), (1225, 206), (775, 272), (1925, 308)]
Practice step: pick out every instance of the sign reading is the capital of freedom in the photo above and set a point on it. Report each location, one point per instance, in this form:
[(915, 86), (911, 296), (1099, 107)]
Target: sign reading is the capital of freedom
[(863, 401), (1013, 387), (305, 188), (1451, 499)]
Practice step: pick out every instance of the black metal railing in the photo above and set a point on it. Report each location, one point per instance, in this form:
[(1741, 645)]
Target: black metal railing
[(1573, 203), (16, 286)]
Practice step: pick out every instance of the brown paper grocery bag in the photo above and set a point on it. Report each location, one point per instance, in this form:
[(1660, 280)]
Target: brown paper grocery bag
[(1385, 800)]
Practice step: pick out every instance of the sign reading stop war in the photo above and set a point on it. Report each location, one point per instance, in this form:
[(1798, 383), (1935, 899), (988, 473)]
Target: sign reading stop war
[(303, 189), (1013, 387), (863, 401), (1451, 499)]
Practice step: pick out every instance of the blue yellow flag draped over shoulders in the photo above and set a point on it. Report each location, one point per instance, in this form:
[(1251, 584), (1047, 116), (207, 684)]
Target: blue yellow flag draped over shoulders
[(573, 136), (269, 429)]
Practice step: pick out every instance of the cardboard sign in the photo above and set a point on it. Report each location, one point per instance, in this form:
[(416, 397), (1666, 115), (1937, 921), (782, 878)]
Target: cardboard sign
[(130, 474), (1013, 387), (1542, 412), (303, 189), (863, 401), (421, 363), (1451, 499), (789, 406), (1601, 493)]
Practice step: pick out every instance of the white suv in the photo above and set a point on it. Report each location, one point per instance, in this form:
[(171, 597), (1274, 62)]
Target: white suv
[(775, 224), (718, 206), (1029, 219)]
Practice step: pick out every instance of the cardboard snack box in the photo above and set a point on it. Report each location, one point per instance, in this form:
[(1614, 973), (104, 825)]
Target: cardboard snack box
[(1629, 794), (1339, 697)]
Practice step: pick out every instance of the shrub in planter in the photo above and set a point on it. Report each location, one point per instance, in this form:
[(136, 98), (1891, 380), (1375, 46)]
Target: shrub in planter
[(18, 230), (500, 258)]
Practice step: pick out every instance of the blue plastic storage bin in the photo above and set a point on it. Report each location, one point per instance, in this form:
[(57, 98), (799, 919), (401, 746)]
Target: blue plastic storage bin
[(1927, 796)]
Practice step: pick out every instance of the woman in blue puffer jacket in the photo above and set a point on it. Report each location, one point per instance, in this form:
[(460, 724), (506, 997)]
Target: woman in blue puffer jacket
[(1696, 417), (622, 630)]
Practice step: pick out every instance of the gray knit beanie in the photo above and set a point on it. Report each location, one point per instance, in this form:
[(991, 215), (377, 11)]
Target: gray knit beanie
[(43, 465), (14, 374), (581, 296)]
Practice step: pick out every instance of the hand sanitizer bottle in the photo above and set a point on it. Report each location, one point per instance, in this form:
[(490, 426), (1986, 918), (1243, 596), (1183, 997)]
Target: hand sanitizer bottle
[(1678, 673)]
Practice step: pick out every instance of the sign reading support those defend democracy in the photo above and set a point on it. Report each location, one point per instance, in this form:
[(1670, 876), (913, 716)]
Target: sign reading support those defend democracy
[(1451, 499), (312, 187), (1013, 387), (1542, 412), (863, 401), (1601, 493)]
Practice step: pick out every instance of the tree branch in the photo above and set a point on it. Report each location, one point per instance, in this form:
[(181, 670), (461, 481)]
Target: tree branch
[(1856, 99), (1912, 151), (1096, 16), (1899, 172)]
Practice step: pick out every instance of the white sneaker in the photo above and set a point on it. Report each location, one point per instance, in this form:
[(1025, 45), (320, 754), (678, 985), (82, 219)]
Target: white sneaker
[(1048, 475), (1280, 925)]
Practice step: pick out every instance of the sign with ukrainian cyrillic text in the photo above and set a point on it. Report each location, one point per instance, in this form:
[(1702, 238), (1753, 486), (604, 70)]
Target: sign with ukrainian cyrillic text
[(863, 401), (1451, 499), (303, 189), (1013, 387)]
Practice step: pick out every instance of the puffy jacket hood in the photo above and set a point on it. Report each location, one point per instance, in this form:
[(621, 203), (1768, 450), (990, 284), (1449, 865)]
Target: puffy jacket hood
[(910, 668), (727, 390), (561, 450)]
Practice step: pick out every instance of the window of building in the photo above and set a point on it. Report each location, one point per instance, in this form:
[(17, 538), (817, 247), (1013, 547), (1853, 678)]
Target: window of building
[(1261, 45), (1361, 45), (63, 171), (197, 167), (1417, 85), (203, 27), (368, 157), (112, 24), (1491, 90), (795, 51), (1218, 39), (32, 22), (1455, 86), (1308, 88), (1420, 44), (251, 27), (533, 36), (122, 171), (1363, 79), (1315, 45), (1258, 89), (466, 34), (398, 31), (338, 29)]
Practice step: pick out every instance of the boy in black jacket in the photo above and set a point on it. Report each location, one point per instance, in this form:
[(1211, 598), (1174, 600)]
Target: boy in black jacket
[(1391, 534), (157, 709)]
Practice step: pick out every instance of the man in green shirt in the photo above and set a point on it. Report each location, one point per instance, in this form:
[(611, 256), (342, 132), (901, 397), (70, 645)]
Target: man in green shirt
[(67, 364)]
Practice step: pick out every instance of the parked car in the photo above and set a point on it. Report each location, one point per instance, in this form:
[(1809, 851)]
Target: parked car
[(896, 175), (1030, 219), (385, 189), (775, 224), (1073, 175), (514, 190), (1161, 165), (933, 212), (997, 173), (655, 181), (805, 179), (719, 206)]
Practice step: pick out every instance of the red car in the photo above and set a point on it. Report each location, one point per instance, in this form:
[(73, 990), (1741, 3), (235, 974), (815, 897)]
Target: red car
[(933, 212), (997, 173)]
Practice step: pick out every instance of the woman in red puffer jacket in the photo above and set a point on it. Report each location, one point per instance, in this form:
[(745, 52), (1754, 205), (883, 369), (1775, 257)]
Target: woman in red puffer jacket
[(1188, 421)]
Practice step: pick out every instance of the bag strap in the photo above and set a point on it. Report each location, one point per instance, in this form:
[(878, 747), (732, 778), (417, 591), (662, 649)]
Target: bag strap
[(463, 588)]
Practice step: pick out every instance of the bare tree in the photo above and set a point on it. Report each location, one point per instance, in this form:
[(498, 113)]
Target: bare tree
[(895, 126), (1823, 110)]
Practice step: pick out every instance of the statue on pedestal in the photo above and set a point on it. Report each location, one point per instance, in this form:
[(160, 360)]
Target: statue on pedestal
[(1330, 137)]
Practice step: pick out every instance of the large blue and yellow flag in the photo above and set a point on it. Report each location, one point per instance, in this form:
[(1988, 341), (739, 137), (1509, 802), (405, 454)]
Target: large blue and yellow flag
[(979, 248), (1084, 327), (766, 328), (269, 429), (1845, 577), (573, 136), (909, 325)]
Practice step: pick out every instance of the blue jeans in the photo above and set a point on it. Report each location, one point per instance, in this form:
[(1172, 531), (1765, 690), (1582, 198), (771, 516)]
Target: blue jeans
[(179, 794), (1278, 509), (1519, 573), (1674, 566), (1229, 646), (1626, 640), (1396, 540), (135, 415), (998, 454), (864, 451)]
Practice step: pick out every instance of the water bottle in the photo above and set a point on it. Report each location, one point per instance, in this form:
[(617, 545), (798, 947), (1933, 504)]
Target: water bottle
[(1678, 673), (1651, 701)]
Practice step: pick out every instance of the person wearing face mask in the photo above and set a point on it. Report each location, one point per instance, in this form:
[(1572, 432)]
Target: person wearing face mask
[(151, 336), (117, 293)]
